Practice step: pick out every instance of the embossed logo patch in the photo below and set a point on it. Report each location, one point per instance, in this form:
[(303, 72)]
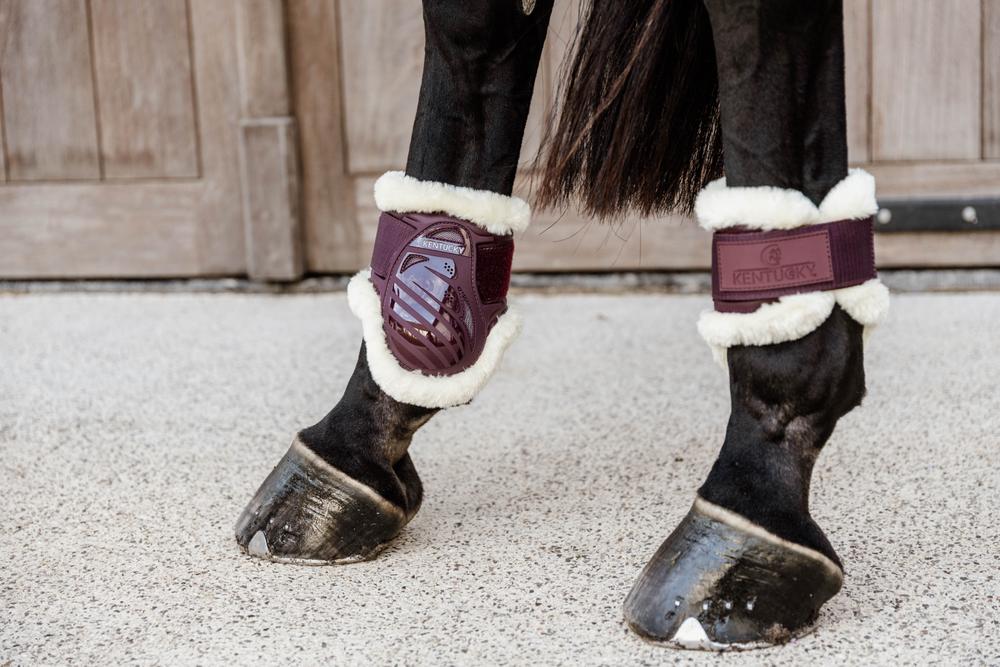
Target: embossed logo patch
[(767, 264)]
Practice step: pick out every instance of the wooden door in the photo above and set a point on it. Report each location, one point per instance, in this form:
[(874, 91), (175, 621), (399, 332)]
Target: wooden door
[(123, 127), (923, 80), (119, 143), (156, 138)]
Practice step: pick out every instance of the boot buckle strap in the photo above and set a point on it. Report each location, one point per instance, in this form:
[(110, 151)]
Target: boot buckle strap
[(750, 268)]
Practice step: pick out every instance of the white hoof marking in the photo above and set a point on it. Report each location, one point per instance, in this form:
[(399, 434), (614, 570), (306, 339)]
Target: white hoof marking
[(692, 635), (258, 546)]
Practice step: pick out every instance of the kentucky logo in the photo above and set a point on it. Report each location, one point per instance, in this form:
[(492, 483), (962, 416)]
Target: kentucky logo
[(773, 273), (775, 263), (771, 255)]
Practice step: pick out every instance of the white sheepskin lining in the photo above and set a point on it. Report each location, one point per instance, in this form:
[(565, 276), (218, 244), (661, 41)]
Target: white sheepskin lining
[(795, 315), (792, 317), (413, 387), (719, 206), (496, 213)]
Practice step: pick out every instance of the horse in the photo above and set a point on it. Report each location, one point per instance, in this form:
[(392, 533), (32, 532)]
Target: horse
[(732, 109)]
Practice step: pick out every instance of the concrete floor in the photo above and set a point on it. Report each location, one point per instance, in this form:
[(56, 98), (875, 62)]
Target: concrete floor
[(133, 428)]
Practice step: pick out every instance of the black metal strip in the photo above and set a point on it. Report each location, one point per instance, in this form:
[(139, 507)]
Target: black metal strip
[(937, 215)]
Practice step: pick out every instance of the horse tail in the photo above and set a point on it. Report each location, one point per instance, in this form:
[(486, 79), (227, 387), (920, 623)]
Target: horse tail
[(637, 126)]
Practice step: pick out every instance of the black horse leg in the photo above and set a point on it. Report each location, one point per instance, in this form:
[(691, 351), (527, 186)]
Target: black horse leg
[(784, 125), (347, 485), (748, 564)]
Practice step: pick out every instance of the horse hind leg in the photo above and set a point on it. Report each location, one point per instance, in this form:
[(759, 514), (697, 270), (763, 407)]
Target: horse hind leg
[(347, 486), (748, 566)]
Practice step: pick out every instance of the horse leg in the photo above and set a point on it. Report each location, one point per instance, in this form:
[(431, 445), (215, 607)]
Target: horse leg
[(748, 565), (433, 303)]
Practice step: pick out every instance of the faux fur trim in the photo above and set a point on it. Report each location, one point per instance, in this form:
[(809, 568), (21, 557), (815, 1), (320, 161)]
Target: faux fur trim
[(496, 213), (719, 206), (790, 318), (867, 303), (793, 317), (413, 387)]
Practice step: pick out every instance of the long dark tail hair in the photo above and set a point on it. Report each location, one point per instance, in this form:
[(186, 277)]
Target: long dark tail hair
[(638, 122)]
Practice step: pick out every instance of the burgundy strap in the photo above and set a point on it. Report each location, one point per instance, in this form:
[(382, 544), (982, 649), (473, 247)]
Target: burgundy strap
[(750, 268), (493, 265)]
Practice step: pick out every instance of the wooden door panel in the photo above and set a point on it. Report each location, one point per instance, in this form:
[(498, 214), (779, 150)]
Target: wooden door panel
[(47, 90), (538, 115), (171, 205), (991, 79), (330, 235), (265, 89), (926, 78), (57, 230), (857, 82), (383, 43), (219, 211), (142, 66)]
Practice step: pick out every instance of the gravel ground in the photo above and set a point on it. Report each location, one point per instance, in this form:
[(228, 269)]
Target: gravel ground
[(133, 428)]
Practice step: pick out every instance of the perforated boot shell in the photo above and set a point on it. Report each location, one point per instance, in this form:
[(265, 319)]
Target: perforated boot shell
[(442, 284)]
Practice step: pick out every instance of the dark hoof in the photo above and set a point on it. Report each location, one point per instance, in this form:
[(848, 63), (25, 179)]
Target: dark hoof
[(721, 582), (310, 513)]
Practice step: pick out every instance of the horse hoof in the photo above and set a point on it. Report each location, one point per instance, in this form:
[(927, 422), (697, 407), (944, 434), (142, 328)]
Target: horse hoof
[(310, 513), (720, 582)]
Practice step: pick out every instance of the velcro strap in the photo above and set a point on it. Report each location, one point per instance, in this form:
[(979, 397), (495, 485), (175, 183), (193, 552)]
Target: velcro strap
[(493, 263), (391, 236), (750, 268)]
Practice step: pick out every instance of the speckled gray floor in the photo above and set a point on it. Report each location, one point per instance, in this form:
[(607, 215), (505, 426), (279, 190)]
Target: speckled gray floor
[(133, 428)]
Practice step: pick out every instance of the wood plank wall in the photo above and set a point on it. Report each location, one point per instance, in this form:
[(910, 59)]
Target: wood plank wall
[(923, 96), (49, 123), (97, 90), (127, 128), (123, 156), (925, 106), (991, 79)]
